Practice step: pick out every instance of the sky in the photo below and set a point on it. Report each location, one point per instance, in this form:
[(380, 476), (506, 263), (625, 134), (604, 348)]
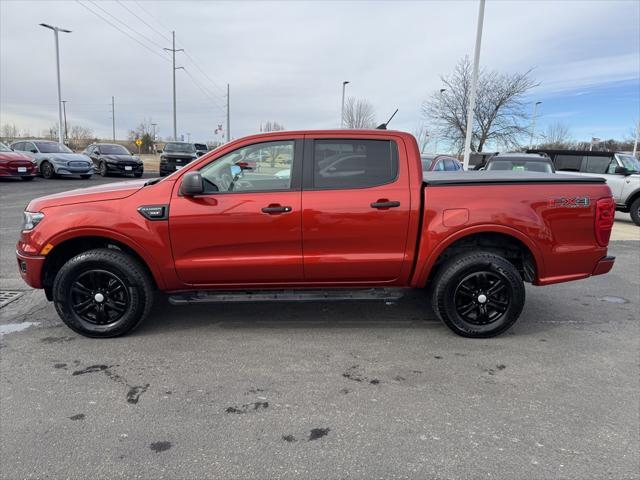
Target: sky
[(286, 61)]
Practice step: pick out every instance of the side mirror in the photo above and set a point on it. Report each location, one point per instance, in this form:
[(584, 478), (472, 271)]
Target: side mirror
[(192, 184), (33, 150), (621, 171)]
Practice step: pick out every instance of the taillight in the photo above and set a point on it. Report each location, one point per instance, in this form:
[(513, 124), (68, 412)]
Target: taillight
[(605, 214)]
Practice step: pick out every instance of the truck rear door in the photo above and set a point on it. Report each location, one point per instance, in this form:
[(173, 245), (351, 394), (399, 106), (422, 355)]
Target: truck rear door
[(355, 209)]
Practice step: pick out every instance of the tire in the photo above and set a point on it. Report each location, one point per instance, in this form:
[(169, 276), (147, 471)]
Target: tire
[(102, 168), (27, 179), (47, 171), (85, 177), (478, 294), (634, 210), (102, 293)]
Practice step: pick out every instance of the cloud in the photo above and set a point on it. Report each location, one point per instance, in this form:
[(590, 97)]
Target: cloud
[(286, 61)]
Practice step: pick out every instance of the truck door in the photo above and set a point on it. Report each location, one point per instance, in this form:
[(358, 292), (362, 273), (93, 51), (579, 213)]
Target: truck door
[(246, 228), (356, 204)]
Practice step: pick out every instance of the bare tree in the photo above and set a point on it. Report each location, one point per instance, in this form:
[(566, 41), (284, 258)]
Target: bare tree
[(144, 131), (423, 136), (271, 127), (500, 115), (557, 136), (9, 132), (358, 113), (79, 137)]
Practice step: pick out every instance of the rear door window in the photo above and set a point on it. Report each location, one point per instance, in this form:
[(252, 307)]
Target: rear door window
[(348, 163), (569, 163)]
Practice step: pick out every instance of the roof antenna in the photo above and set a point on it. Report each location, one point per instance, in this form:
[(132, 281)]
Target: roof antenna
[(383, 126)]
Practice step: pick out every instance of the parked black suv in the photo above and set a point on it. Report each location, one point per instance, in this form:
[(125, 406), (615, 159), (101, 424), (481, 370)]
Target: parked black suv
[(111, 158), (175, 156)]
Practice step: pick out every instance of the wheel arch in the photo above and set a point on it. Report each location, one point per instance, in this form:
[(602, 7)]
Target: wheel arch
[(69, 245), (632, 197), (510, 243)]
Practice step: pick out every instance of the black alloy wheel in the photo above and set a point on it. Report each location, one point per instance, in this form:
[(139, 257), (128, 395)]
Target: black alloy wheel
[(103, 169), (482, 298), (478, 294), (103, 293), (99, 297)]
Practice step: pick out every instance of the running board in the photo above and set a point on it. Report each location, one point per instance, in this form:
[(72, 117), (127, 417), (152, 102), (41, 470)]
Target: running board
[(385, 294)]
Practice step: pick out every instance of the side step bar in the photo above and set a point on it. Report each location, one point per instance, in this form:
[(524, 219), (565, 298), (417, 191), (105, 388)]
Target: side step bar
[(385, 294)]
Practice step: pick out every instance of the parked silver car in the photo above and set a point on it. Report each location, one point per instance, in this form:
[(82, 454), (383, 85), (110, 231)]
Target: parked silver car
[(55, 159)]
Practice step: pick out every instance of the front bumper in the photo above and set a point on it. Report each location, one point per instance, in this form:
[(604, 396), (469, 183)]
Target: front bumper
[(12, 171), (122, 168), (30, 267), (61, 169)]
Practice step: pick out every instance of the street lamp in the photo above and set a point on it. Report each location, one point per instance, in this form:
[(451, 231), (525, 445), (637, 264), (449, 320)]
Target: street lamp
[(55, 33), (474, 82), (344, 84), (533, 123)]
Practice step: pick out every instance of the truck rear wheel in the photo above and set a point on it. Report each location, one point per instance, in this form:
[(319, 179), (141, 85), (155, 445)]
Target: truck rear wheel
[(102, 293), (478, 294)]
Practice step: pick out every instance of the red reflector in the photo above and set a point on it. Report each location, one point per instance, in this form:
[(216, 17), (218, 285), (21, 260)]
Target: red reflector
[(605, 215)]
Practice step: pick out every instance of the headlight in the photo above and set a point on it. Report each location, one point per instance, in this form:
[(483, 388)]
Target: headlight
[(31, 219)]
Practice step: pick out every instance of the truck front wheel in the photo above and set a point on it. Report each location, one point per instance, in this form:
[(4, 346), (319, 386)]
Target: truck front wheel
[(634, 210), (102, 293), (478, 294)]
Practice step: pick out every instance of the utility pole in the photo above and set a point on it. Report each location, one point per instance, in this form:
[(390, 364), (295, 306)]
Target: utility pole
[(173, 51), (635, 144), (344, 84), (228, 116), (533, 123), (64, 110), (55, 33), (113, 116), (474, 83)]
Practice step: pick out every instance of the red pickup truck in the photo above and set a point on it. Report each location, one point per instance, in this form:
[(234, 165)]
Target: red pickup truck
[(316, 215)]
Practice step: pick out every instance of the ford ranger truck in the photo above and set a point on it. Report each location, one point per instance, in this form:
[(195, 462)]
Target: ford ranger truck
[(315, 215)]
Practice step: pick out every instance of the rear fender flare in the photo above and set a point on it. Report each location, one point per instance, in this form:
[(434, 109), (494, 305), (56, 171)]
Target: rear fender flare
[(422, 273)]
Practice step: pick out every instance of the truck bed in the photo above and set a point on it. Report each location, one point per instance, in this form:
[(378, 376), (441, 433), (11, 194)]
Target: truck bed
[(485, 177)]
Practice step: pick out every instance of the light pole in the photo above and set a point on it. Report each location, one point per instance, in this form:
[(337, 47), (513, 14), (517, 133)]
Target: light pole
[(55, 34), (635, 144), (435, 140), (64, 112), (153, 140), (344, 85), (173, 52), (533, 124), (474, 83)]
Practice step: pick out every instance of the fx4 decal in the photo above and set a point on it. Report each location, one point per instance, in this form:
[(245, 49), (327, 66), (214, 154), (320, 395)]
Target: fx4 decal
[(571, 202)]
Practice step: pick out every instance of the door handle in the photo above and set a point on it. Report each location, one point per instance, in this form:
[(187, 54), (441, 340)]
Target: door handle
[(276, 208), (383, 204)]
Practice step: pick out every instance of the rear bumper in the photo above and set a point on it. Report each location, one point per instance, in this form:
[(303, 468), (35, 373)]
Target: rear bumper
[(604, 266), (30, 268)]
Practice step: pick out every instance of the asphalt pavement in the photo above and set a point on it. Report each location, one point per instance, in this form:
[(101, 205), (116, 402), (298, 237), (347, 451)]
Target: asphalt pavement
[(323, 390)]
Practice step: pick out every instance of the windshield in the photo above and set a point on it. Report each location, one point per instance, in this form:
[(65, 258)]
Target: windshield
[(180, 147), (518, 165), (4, 148), (630, 162), (113, 150), (52, 147)]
